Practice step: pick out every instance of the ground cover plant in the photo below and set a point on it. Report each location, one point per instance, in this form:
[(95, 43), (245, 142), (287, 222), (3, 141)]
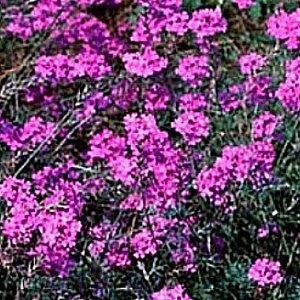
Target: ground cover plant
[(149, 149)]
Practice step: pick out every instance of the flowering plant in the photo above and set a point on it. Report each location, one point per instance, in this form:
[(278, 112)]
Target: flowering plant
[(149, 149)]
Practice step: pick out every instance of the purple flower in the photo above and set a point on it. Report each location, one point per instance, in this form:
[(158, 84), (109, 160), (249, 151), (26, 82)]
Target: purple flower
[(265, 272), (193, 69), (289, 90), (157, 98), (193, 102), (194, 126), (178, 23), (207, 22), (263, 127), (167, 293), (252, 62), (285, 27), (65, 68), (144, 63)]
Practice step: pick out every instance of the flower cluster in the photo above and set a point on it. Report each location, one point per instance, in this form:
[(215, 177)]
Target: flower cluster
[(265, 272), (193, 69), (44, 15), (22, 216), (145, 63), (232, 98), (33, 132), (193, 126), (263, 126), (252, 62), (118, 253), (167, 293), (149, 28), (100, 234), (145, 243), (157, 98), (54, 216), (253, 162), (289, 90), (207, 22), (162, 166), (178, 23), (82, 28), (193, 102), (284, 26), (64, 68), (59, 234), (254, 90)]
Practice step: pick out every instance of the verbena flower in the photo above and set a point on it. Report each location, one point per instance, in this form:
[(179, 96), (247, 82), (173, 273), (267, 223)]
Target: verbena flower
[(289, 91), (171, 293), (251, 63), (193, 102), (285, 27), (265, 272), (193, 69), (63, 68), (193, 126), (178, 23), (145, 63), (33, 132), (207, 22), (237, 164), (157, 97), (263, 127)]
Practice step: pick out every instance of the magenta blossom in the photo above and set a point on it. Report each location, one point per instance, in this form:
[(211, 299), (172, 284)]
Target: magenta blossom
[(251, 63), (265, 272), (145, 63), (194, 126), (193, 69)]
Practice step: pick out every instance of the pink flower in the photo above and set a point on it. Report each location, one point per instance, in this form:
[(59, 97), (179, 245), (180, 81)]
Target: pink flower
[(265, 272), (177, 292), (148, 29), (105, 145), (144, 243), (289, 90), (157, 98), (64, 68), (178, 23), (207, 22), (264, 126), (285, 27), (193, 69), (251, 63), (133, 202), (194, 126), (192, 102), (145, 63), (33, 132), (118, 253)]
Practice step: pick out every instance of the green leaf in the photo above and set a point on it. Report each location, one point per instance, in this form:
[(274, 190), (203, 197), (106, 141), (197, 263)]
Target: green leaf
[(191, 5), (255, 12)]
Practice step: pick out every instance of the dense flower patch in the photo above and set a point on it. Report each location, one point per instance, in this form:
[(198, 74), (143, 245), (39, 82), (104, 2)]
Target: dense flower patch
[(150, 149)]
